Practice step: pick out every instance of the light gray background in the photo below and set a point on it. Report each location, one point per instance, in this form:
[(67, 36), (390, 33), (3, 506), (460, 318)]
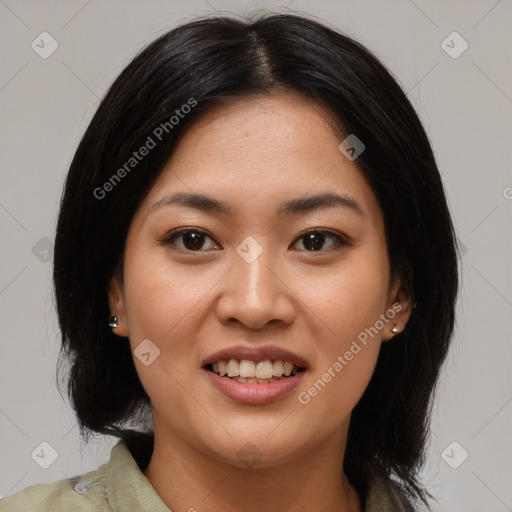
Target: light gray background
[(465, 104)]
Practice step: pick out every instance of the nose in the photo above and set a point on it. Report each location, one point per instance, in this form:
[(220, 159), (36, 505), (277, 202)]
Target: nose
[(256, 294)]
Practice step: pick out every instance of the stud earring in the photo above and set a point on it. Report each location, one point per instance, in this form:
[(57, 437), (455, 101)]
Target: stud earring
[(395, 329), (112, 321)]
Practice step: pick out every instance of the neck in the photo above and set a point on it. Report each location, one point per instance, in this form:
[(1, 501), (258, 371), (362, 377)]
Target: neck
[(188, 479)]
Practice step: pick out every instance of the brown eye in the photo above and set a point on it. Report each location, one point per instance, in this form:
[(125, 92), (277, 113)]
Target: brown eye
[(189, 239), (315, 240)]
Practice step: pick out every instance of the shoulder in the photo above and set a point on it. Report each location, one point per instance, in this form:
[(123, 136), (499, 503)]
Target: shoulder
[(82, 494), (56, 497), (385, 496), (117, 485)]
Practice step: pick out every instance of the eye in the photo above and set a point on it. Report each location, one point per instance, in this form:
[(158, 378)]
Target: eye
[(315, 239), (189, 239), (194, 240)]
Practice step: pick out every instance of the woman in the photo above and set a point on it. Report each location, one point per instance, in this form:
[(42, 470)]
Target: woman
[(255, 274)]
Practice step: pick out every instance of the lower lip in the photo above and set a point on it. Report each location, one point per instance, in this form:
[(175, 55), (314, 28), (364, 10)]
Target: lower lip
[(255, 393)]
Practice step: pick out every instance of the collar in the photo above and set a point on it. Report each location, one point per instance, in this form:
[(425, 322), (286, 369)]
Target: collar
[(128, 489), (126, 486)]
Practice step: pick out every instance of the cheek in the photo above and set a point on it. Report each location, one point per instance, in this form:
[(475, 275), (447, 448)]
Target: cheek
[(163, 303), (349, 302), (162, 298), (348, 299)]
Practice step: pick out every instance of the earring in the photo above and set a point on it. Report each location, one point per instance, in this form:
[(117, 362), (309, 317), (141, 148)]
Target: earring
[(395, 329), (112, 321)]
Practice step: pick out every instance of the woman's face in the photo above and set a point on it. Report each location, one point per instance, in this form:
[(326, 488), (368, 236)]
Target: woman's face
[(273, 268)]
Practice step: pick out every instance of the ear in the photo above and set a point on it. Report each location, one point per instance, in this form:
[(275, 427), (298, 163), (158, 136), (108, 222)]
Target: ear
[(116, 302), (398, 309)]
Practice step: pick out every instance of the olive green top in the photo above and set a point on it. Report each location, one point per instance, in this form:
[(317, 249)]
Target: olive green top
[(120, 485)]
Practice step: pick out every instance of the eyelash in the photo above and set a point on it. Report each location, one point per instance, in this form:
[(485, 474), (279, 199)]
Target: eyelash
[(170, 237)]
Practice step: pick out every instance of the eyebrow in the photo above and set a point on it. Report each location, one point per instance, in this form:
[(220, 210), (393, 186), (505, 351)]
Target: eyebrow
[(290, 207)]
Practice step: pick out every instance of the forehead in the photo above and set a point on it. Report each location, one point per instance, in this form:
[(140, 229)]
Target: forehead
[(253, 151), (251, 130)]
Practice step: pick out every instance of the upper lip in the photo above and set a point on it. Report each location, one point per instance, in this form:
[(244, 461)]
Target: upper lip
[(256, 354)]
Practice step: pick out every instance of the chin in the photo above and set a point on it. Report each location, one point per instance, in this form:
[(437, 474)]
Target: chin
[(256, 448)]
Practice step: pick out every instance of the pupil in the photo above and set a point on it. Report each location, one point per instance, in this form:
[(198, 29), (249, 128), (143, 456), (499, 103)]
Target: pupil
[(193, 240), (315, 240)]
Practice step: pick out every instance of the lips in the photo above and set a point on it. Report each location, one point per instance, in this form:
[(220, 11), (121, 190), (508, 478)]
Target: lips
[(254, 394)]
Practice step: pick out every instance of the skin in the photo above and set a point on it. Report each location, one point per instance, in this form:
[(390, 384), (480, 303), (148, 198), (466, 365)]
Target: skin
[(254, 153)]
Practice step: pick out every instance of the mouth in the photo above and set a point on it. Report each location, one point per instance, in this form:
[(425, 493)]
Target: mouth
[(247, 371), (252, 375)]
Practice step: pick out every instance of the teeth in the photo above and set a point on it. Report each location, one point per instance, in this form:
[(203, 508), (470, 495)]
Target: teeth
[(250, 372), (264, 370), (223, 368), (233, 368), (252, 381), (247, 369), (278, 368)]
